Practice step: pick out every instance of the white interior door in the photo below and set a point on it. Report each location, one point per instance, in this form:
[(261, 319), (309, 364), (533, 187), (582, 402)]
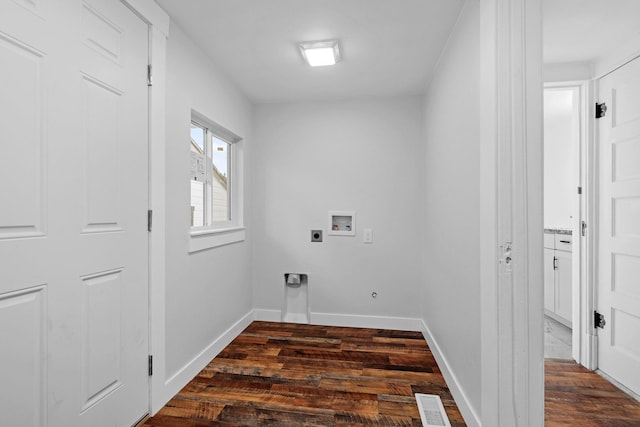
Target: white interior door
[(618, 289), (73, 233)]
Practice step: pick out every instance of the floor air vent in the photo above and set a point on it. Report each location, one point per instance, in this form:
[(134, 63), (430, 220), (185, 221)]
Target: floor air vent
[(431, 410)]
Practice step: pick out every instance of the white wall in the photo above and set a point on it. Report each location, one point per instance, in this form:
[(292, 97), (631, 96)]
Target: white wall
[(359, 155), (561, 142), (566, 72), (450, 187), (208, 291)]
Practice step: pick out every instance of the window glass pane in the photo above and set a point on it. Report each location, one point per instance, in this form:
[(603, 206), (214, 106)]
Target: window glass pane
[(220, 157), (198, 176), (197, 138), (197, 204)]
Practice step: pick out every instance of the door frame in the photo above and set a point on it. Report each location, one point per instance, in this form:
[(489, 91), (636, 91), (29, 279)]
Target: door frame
[(158, 21), (583, 333), (511, 90), (511, 82), (511, 226), (586, 342)]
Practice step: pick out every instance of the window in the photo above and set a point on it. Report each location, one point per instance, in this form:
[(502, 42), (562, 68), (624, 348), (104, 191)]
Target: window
[(215, 207)]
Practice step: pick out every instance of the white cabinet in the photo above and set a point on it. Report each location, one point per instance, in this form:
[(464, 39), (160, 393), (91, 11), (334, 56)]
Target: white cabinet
[(557, 276), (563, 285), (549, 280)]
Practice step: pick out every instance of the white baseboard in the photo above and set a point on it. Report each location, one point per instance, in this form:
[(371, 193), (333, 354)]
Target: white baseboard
[(470, 416), (591, 351), (181, 378), (358, 321), (348, 320), (618, 384), (267, 315)]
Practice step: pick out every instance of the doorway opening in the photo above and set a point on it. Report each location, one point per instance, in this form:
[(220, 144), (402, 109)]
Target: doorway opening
[(563, 112)]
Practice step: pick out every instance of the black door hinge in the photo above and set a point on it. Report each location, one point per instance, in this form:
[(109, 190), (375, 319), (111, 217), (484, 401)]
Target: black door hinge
[(149, 219), (149, 75), (598, 320), (150, 365), (601, 109), (579, 190), (584, 228)]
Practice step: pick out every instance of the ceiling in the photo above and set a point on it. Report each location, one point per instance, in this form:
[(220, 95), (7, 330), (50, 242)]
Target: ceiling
[(389, 47), (583, 30)]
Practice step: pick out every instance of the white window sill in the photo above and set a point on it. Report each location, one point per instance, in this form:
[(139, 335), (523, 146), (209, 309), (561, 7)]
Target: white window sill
[(200, 240)]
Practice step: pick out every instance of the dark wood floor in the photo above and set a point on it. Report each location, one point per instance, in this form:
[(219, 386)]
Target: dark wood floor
[(575, 396), (280, 374)]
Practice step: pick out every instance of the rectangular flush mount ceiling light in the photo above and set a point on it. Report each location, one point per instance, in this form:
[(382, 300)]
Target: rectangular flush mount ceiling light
[(320, 53)]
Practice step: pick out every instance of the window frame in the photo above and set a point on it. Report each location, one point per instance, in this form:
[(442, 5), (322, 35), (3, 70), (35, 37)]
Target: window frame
[(219, 233)]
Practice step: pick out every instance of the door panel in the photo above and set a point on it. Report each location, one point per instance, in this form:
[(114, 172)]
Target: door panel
[(101, 156), (625, 271), (624, 217), (102, 358), (619, 229), (626, 159), (22, 393), (625, 97), (626, 333), (74, 180), (21, 124)]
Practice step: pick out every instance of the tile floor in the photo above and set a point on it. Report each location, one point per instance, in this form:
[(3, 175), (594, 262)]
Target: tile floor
[(557, 340)]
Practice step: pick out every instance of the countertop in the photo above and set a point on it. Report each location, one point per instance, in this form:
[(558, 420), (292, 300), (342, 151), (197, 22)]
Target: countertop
[(558, 231)]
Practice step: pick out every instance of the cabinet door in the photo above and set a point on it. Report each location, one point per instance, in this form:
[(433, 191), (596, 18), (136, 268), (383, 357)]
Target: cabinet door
[(563, 284), (549, 279)]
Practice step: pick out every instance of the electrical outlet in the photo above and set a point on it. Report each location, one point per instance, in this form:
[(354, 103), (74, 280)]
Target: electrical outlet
[(316, 235), (368, 235)]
